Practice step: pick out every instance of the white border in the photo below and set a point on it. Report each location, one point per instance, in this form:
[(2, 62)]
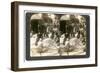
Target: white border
[(59, 62)]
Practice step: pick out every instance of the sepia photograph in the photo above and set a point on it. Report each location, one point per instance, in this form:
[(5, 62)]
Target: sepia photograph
[(52, 36), (57, 34)]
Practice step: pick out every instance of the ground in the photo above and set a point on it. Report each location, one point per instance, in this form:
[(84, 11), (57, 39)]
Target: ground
[(48, 47)]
